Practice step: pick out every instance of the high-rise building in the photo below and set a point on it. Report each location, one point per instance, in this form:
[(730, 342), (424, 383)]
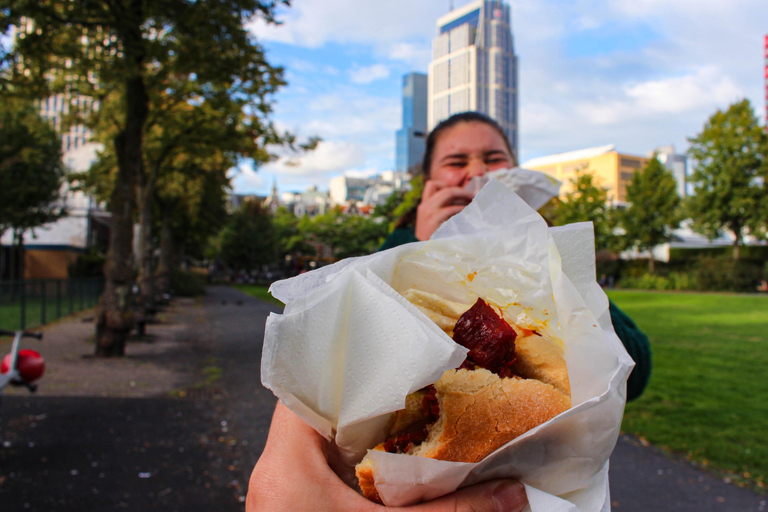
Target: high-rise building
[(409, 140), (677, 164), (474, 66)]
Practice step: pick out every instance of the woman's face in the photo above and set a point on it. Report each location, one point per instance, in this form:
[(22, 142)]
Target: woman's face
[(466, 150)]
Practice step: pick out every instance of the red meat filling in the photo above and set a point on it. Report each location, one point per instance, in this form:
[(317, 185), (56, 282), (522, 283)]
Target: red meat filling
[(491, 343), (489, 338)]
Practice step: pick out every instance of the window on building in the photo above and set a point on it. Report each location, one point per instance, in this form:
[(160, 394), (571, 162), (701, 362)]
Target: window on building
[(626, 176), (630, 162)]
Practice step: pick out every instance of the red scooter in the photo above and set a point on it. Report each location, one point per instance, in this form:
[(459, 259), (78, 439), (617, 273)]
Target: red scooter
[(22, 367)]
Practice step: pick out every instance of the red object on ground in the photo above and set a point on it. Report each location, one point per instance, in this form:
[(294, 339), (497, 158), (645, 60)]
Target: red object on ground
[(30, 364)]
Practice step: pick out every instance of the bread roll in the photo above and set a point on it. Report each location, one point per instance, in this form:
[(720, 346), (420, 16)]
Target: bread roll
[(479, 411)]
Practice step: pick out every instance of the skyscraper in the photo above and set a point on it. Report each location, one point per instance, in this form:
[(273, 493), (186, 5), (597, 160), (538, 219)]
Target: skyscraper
[(474, 66), (409, 140)]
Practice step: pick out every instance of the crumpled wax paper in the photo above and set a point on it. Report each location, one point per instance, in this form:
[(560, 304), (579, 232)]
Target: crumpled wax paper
[(348, 348)]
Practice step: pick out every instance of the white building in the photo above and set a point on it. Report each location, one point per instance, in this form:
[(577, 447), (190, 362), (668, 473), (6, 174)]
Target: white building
[(368, 191), (474, 66), (51, 248), (677, 164)]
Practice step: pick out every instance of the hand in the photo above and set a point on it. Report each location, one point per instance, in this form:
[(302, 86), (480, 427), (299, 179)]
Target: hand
[(439, 202), (293, 474)]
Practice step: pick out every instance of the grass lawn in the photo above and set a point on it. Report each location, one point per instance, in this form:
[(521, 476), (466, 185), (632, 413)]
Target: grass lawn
[(708, 393), (260, 292)]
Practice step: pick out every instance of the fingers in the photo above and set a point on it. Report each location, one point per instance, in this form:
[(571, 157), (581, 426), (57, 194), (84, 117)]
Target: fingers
[(293, 473), (439, 203), (493, 496)]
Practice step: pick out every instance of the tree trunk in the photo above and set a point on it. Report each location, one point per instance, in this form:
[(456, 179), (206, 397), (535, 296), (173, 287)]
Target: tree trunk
[(737, 249), (166, 256), (114, 318), (147, 292), (651, 263)]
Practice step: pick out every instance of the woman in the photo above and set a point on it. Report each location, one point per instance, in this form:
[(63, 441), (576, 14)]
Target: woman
[(471, 144)]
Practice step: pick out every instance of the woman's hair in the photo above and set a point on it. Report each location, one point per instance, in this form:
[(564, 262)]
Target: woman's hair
[(409, 218), (461, 117)]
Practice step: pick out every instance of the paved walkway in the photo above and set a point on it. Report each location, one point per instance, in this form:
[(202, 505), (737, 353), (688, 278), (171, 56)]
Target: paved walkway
[(180, 421)]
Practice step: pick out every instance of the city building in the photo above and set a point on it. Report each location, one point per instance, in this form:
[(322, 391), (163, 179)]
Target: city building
[(677, 164), (410, 139), (50, 249), (474, 66), (367, 191), (612, 170)]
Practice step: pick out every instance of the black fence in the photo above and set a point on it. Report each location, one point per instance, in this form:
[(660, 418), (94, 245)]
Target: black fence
[(33, 302)]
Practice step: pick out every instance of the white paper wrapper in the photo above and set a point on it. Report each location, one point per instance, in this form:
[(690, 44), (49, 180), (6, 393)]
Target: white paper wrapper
[(349, 348), (533, 187)]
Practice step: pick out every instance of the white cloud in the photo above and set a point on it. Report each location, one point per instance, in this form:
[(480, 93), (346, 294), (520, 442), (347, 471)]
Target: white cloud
[(686, 93), (416, 54), (312, 23), (329, 156), (367, 74), (362, 173)]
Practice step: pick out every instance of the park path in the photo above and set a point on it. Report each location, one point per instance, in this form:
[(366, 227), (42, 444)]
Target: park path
[(138, 447)]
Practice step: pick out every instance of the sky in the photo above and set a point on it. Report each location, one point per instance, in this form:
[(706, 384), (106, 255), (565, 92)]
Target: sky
[(635, 73)]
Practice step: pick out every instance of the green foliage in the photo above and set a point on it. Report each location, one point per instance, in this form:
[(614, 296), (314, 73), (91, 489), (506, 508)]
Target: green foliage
[(672, 281), (89, 264), (586, 203), (704, 273), (748, 252), (290, 237), (248, 240), (705, 396), (730, 175), (727, 274), (654, 210), (31, 170), (410, 201), (345, 235)]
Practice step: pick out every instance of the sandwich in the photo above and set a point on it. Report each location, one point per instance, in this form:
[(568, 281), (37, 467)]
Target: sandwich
[(512, 380)]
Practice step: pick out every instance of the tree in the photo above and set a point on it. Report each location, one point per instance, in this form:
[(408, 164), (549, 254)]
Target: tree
[(654, 209), (130, 48), (730, 175), (248, 240), (290, 238), (31, 170), (587, 202)]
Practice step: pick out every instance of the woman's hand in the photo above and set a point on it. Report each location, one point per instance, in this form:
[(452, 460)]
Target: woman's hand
[(439, 202), (293, 474)]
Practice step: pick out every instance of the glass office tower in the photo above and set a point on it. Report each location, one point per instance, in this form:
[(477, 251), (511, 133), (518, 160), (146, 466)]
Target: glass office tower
[(409, 140), (474, 66)]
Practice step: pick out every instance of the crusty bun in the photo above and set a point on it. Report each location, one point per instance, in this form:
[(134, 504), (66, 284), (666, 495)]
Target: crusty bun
[(479, 411)]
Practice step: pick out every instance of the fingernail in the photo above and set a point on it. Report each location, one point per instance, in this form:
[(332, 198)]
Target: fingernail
[(509, 497)]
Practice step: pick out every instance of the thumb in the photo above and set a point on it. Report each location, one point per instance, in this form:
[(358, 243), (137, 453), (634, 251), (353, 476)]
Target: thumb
[(493, 496)]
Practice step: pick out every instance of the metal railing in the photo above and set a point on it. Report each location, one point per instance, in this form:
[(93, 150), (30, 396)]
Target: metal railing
[(33, 302)]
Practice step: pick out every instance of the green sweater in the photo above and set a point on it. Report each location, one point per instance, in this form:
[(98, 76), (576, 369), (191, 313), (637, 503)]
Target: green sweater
[(634, 340)]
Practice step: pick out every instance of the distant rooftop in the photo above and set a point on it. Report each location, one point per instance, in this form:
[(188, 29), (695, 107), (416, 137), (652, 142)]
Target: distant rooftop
[(570, 156)]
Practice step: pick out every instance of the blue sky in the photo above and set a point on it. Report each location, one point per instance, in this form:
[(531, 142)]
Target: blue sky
[(635, 73)]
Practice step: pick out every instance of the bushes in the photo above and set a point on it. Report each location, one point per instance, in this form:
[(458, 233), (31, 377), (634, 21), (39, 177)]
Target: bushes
[(706, 273), (672, 281), (727, 274)]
